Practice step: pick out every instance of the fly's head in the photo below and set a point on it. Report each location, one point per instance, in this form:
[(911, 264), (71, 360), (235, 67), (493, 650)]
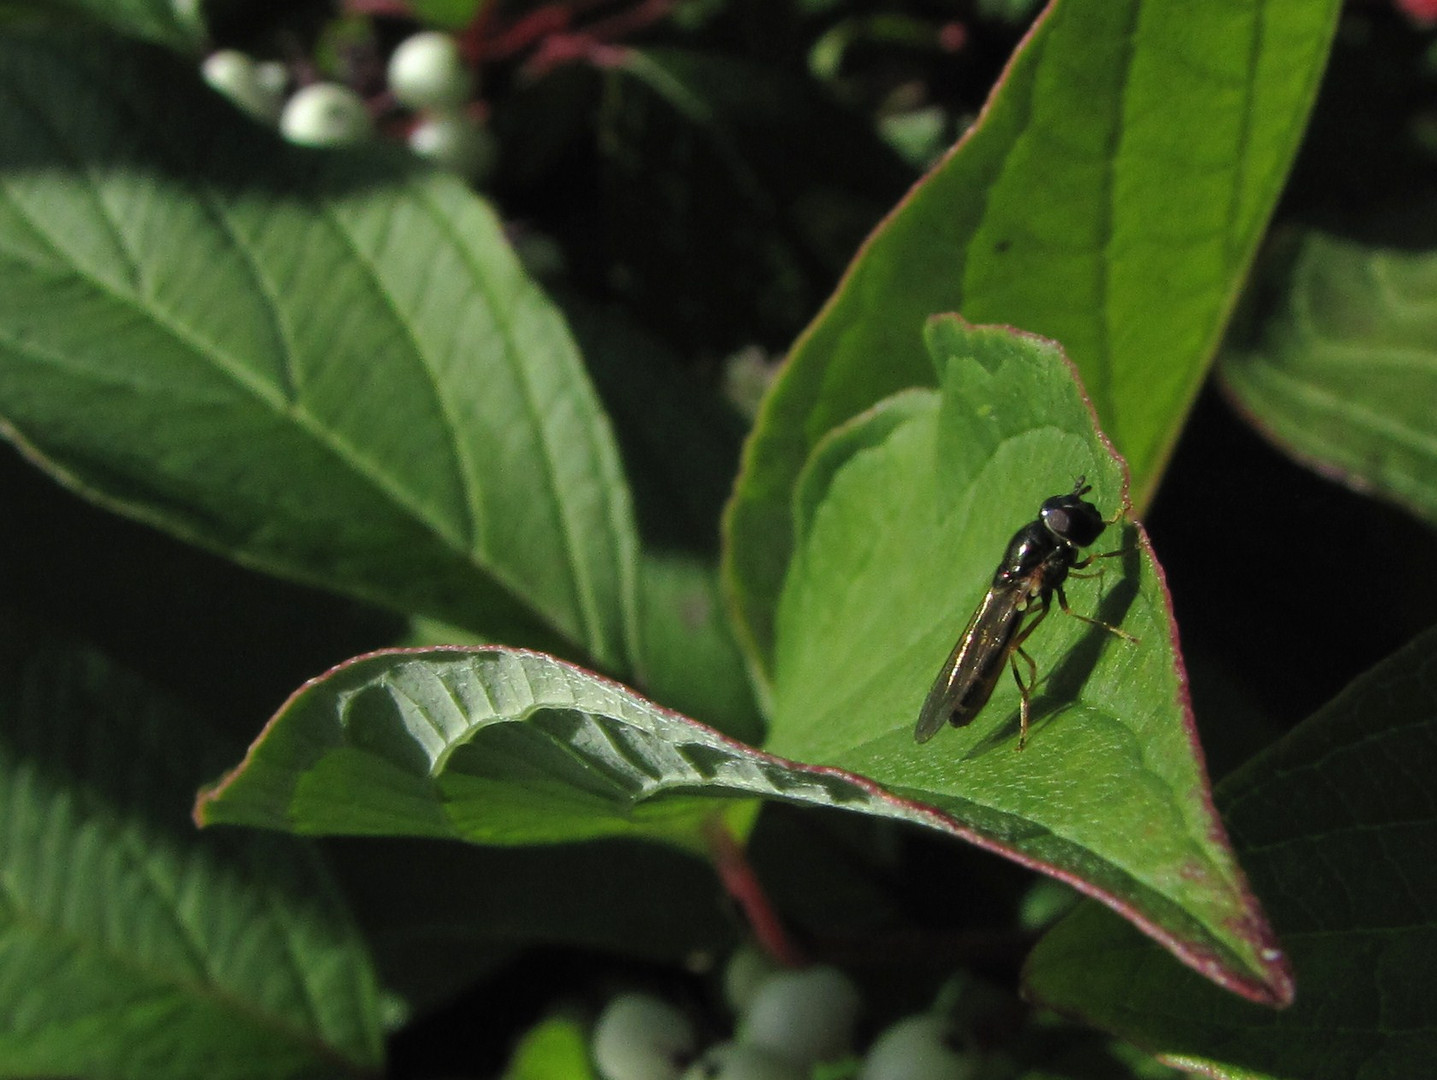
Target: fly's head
[(1071, 518)]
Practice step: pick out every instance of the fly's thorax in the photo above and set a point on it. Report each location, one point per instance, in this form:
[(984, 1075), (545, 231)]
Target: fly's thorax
[(1030, 548)]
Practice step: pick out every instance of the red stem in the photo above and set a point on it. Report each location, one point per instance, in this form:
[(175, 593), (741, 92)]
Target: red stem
[(739, 880), (538, 24), (643, 14), (550, 29)]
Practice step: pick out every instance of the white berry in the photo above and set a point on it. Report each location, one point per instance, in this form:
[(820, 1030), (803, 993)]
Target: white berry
[(917, 1048), (738, 1061), (747, 969), (325, 114), (456, 142), (805, 1016), (427, 72), (249, 85), (639, 1037)]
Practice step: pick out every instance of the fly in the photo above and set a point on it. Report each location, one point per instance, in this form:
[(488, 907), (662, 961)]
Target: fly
[(1036, 564)]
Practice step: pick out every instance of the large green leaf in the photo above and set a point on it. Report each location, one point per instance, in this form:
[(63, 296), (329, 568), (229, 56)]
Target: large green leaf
[(130, 947), (1337, 824), (500, 746), (1110, 197), (902, 516), (325, 365), (1343, 373)]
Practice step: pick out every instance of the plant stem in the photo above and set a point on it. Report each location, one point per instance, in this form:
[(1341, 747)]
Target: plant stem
[(739, 880)]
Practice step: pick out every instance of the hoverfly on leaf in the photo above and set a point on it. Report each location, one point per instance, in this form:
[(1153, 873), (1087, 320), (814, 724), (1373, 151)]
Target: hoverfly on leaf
[(1037, 562)]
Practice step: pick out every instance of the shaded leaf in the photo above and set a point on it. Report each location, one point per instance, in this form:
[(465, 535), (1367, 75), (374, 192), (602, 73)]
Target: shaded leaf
[(178, 24), (640, 900), (1089, 1059), (904, 514), (132, 947), (1343, 373), (325, 365), (680, 443), (691, 662), (1337, 824), (491, 745), (1109, 197), (734, 193)]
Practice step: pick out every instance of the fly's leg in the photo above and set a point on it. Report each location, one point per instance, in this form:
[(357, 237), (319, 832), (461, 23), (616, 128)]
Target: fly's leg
[(1084, 563), (1063, 603), (1118, 515), (1025, 692)]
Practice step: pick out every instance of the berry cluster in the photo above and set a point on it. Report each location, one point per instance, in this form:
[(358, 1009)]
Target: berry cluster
[(788, 1024), (426, 74)]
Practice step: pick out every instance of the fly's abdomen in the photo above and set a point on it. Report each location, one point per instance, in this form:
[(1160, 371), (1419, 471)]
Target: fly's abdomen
[(966, 682)]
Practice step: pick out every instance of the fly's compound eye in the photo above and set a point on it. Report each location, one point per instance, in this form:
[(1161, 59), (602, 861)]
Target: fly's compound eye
[(1057, 519), (1072, 519)]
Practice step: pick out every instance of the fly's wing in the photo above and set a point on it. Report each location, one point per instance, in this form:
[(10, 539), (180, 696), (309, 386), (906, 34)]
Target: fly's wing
[(966, 682)]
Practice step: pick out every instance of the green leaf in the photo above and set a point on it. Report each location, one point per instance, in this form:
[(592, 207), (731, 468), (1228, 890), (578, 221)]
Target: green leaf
[(131, 946), (903, 515), (1343, 373), (325, 365), (500, 746), (1110, 197), (691, 662), (1337, 824), (486, 744), (551, 1050), (450, 14), (178, 24)]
